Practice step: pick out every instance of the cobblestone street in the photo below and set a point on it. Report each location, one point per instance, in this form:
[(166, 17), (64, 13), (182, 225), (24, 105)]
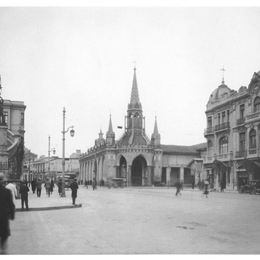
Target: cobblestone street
[(138, 220)]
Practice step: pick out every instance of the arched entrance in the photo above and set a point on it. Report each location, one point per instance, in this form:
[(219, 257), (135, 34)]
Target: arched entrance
[(138, 171), (122, 168)]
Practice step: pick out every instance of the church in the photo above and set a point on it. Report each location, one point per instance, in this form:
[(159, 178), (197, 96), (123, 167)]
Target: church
[(136, 158)]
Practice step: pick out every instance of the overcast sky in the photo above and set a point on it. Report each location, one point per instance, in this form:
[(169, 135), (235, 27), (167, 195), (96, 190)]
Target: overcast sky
[(83, 59)]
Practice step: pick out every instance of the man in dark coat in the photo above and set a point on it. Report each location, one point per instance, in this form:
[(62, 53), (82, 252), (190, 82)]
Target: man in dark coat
[(33, 184), (7, 211), (24, 195), (74, 189), (39, 187), (178, 186)]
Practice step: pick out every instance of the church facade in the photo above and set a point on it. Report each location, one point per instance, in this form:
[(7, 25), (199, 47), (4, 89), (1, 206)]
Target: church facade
[(137, 159)]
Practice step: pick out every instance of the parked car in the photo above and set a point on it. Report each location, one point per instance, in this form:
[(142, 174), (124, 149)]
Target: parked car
[(255, 187)]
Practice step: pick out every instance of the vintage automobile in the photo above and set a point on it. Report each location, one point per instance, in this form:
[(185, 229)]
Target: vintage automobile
[(255, 187), (252, 187)]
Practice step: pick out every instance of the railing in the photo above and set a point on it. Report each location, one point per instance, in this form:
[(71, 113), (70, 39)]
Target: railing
[(209, 130), (253, 115), (222, 126), (241, 153), (252, 151), (240, 121)]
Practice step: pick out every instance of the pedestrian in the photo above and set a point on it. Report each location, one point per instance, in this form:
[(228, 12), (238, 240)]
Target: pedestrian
[(178, 188), (52, 186), (7, 211), (33, 184), (39, 187), (94, 184), (222, 186), (193, 182), (48, 187), (24, 195), (12, 187), (74, 189), (206, 188), (59, 184)]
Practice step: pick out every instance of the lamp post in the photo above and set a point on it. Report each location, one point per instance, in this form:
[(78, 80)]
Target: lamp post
[(72, 132), (49, 152)]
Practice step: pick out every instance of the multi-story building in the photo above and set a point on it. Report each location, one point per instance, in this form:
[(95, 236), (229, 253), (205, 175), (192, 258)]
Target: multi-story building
[(135, 158), (12, 138), (52, 167), (233, 135), (29, 158)]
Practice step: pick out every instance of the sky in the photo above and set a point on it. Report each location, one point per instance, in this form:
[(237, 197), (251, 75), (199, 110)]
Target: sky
[(82, 58)]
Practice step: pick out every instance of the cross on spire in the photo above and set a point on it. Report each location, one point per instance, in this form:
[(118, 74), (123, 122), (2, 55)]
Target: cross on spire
[(223, 74)]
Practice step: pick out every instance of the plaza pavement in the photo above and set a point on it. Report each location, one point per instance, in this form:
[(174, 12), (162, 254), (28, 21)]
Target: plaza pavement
[(138, 221)]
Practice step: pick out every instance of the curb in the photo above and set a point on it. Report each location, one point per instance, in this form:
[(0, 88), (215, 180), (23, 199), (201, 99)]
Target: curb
[(50, 208)]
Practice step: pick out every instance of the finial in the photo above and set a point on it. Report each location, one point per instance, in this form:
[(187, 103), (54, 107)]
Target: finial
[(134, 65), (223, 72)]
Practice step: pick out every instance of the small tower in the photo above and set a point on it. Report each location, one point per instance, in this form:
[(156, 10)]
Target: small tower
[(110, 136), (156, 137)]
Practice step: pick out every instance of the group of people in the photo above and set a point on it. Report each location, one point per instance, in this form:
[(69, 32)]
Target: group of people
[(179, 187), (37, 186)]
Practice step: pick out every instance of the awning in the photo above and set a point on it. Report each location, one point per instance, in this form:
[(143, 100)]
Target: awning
[(250, 165), (220, 165)]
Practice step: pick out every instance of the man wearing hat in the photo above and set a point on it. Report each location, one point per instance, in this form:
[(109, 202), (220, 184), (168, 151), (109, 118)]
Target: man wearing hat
[(7, 210)]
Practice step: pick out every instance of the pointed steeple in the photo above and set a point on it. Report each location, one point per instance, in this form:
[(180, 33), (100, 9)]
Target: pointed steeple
[(110, 128), (110, 136), (155, 130), (156, 137), (134, 93)]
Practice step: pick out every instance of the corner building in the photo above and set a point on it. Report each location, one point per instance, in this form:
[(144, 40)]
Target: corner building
[(135, 158), (233, 135)]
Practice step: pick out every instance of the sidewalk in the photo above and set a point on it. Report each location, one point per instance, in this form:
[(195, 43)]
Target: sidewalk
[(45, 202)]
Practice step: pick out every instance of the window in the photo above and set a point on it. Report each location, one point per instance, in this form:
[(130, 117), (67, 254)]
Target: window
[(209, 121), (257, 104), (242, 111), (223, 116), (242, 139), (219, 118), (22, 119), (252, 138), (223, 145), (6, 116), (227, 115), (210, 147)]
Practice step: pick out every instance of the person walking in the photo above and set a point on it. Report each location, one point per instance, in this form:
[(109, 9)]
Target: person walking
[(48, 187), (52, 186), (206, 188), (59, 184), (12, 187), (33, 184), (7, 211), (39, 188), (178, 188), (94, 184), (24, 195), (74, 189)]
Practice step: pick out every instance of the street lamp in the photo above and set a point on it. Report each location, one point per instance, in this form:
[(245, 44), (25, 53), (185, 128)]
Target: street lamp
[(72, 133), (49, 151)]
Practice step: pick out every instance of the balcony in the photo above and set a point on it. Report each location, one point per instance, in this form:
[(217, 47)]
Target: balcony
[(209, 131), (222, 126), (241, 154), (253, 115), (241, 121)]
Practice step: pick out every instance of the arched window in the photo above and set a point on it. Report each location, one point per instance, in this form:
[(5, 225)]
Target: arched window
[(257, 104), (223, 145), (252, 138)]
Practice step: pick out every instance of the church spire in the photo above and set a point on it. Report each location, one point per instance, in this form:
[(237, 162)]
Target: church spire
[(134, 93), (156, 137), (110, 128), (110, 136)]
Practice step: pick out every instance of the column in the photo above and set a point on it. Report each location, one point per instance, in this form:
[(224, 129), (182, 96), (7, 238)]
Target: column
[(182, 174), (129, 183), (168, 176)]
